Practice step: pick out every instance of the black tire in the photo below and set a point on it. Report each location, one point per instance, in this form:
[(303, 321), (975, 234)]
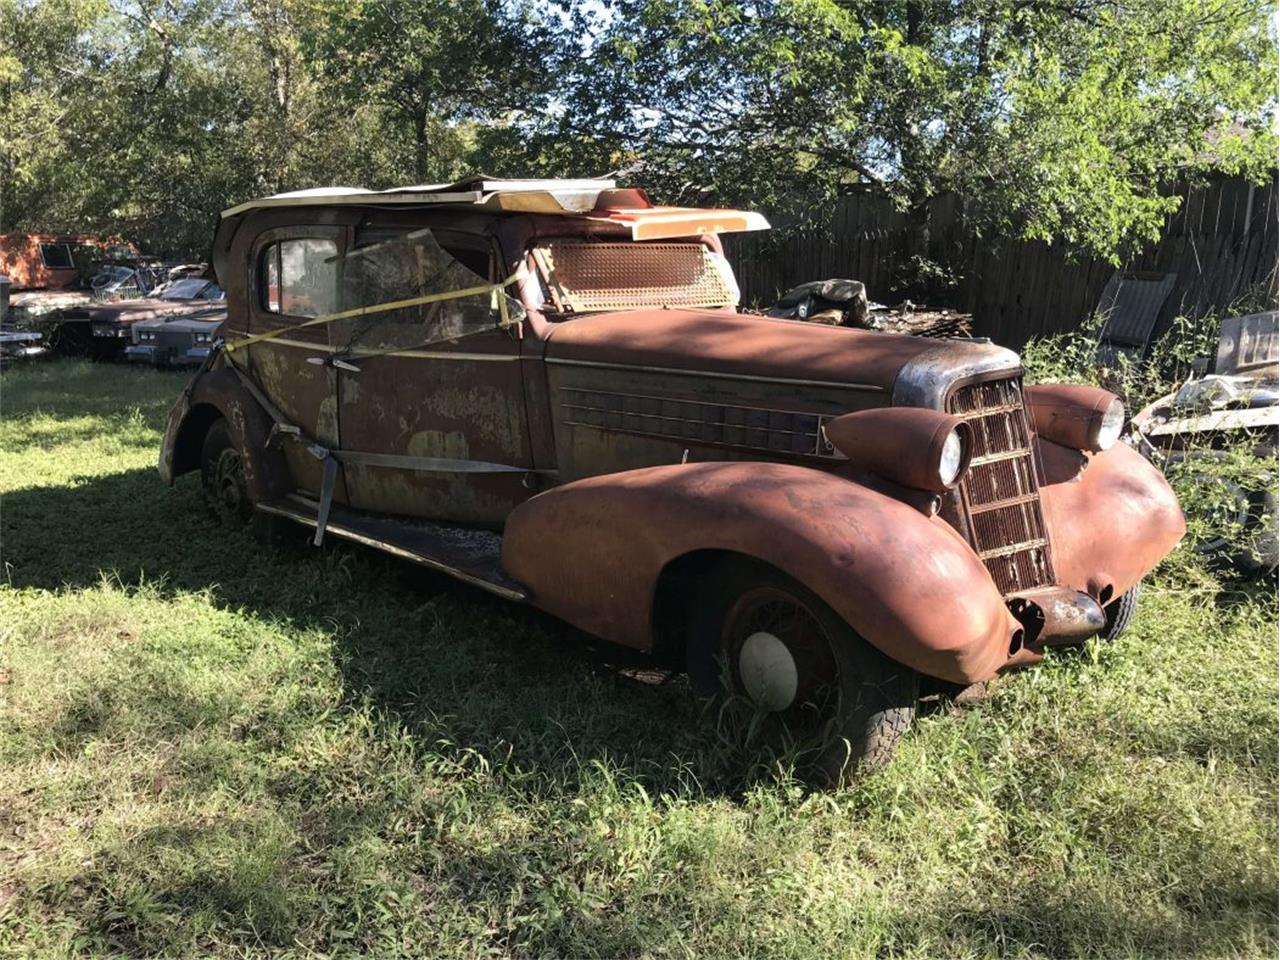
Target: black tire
[(222, 476), (850, 704), (1120, 612)]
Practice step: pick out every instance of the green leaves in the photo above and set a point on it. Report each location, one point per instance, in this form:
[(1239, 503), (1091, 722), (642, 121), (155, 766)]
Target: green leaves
[(1053, 121)]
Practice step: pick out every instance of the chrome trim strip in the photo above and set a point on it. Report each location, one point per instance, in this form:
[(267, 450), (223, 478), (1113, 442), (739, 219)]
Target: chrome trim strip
[(925, 380), (398, 461), (423, 354), (346, 533), (718, 376)]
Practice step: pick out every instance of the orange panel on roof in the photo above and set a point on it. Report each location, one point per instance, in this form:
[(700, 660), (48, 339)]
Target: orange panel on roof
[(660, 223)]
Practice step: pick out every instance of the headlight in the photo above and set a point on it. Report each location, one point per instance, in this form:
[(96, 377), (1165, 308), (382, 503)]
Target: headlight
[(1078, 417), (910, 446), (952, 458), (1111, 425), (201, 338)]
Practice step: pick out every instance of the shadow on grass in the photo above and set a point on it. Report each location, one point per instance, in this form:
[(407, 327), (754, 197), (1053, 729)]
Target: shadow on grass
[(480, 672)]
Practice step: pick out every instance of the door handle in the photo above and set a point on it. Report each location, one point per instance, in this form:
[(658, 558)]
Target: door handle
[(333, 362)]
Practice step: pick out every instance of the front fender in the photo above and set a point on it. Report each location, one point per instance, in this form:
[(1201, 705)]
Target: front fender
[(1109, 523), (591, 553)]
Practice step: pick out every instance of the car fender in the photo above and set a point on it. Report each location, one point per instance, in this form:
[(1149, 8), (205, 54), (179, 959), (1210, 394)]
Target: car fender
[(214, 393), (591, 552), (1111, 517)]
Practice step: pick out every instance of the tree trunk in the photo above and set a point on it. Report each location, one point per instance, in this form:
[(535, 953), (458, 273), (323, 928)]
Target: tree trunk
[(420, 152)]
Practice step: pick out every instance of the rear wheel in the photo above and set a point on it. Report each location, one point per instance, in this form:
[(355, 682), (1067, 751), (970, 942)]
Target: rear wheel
[(765, 638), (222, 476)]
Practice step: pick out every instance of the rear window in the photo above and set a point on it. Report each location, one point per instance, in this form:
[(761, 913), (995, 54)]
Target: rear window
[(191, 289), (583, 276), (56, 256)]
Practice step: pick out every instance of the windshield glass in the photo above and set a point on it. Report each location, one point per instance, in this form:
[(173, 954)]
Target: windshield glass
[(589, 276), (410, 285), (191, 289), (112, 274)]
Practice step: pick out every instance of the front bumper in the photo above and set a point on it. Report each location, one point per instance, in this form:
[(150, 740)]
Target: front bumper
[(140, 353)]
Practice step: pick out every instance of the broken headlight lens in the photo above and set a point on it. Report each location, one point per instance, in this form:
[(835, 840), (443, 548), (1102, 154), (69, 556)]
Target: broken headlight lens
[(1110, 425)]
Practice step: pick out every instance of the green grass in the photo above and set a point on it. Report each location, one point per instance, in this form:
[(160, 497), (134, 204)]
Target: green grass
[(208, 749)]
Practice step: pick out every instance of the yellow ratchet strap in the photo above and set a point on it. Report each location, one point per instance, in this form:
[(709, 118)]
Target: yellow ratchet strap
[(489, 288)]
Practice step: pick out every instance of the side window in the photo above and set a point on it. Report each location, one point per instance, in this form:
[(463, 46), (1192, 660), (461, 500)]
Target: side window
[(417, 292), (299, 278), (56, 256)]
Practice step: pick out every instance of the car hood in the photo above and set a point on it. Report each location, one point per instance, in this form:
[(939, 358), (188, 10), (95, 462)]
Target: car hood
[(915, 370), (131, 311)]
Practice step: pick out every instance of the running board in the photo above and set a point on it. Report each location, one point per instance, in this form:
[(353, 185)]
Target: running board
[(472, 556)]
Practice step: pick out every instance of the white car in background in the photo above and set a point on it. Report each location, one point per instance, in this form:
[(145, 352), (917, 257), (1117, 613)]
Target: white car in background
[(174, 343)]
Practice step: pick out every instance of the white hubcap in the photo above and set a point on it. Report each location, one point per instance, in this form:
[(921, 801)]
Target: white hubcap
[(768, 672)]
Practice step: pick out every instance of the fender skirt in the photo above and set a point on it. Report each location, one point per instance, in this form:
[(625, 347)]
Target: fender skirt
[(1111, 516), (591, 552)]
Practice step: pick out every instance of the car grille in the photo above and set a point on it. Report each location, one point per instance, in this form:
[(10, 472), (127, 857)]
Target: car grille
[(1000, 497), (706, 424)]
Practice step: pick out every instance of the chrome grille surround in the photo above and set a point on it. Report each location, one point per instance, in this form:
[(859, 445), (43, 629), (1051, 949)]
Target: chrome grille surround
[(999, 505)]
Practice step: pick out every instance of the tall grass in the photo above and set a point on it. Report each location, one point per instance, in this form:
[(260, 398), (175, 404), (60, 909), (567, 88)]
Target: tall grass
[(212, 750)]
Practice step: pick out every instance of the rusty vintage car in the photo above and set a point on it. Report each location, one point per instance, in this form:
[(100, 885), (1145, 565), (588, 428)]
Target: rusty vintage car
[(545, 389)]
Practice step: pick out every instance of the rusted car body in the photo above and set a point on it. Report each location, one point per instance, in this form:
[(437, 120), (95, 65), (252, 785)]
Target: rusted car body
[(600, 433), (38, 261)]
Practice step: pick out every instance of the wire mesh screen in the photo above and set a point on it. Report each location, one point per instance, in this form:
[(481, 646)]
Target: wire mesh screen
[(618, 276)]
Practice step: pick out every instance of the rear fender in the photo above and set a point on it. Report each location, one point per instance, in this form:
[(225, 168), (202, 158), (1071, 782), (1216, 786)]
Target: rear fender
[(591, 552), (213, 394)]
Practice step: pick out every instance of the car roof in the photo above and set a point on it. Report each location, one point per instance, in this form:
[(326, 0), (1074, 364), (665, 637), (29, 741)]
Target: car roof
[(573, 195), (596, 199)]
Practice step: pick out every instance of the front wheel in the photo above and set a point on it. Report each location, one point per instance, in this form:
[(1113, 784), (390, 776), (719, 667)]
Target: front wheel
[(1120, 612), (760, 635)]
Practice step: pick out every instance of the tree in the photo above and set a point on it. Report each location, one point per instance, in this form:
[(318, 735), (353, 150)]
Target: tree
[(1053, 119), (439, 68)]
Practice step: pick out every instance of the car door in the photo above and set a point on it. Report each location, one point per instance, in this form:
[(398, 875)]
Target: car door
[(294, 279), (431, 400)]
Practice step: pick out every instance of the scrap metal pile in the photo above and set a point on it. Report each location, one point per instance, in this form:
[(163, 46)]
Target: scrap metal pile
[(844, 303)]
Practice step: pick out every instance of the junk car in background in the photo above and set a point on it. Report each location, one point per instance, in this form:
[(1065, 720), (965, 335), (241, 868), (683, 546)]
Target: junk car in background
[(103, 331), (545, 389), (176, 342), (1203, 428), (50, 273)]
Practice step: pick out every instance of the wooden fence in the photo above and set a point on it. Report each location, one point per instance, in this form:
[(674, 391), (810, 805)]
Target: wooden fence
[(1222, 241)]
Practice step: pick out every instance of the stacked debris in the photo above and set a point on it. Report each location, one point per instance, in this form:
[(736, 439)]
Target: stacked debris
[(844, 303)]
